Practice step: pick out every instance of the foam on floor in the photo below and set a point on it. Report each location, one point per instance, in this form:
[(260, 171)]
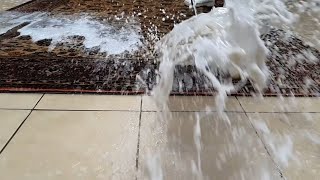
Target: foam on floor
[(109, 38)]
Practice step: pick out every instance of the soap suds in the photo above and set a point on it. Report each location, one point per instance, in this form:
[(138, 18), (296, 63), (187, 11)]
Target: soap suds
[(109, 38)]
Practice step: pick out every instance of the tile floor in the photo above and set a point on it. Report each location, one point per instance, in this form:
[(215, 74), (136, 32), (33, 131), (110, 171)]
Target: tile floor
[(55, 136), (7, 4), (123, 137)]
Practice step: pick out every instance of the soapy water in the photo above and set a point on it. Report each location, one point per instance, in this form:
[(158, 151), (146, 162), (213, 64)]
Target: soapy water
[(109, 38), (227, 41)]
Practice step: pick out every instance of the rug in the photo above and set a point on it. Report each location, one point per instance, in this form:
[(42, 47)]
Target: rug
[(73, 67)]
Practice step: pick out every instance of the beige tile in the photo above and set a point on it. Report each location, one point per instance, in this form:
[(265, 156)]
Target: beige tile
[(274, 104), (191, 103), (293, 140), (89, 102), (9, 122), (7, 4), (18, 101), (227, 150), (73, 145)]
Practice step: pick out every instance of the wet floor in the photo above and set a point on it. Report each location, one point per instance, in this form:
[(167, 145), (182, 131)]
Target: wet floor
[(111, 137), (121, 137), (308, 28)]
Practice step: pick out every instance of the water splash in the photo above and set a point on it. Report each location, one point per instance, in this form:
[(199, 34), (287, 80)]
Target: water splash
[(227, 41), (196, 166), (212, 42)]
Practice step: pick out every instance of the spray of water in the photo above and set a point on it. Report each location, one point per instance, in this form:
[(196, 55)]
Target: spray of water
[(227, 41), (196, 167), (223, 41)]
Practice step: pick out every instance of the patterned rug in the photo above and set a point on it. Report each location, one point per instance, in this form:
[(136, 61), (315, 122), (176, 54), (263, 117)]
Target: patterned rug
[(34, 66)]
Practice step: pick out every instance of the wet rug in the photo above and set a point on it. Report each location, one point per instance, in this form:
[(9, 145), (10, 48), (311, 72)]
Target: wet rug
[(39, 52)]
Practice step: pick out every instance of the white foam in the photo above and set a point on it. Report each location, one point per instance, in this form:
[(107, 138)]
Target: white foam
[(108, 38)]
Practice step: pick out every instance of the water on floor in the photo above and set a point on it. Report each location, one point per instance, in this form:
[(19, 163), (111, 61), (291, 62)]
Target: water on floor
[(223, 41), (308, 26), (227, 40)]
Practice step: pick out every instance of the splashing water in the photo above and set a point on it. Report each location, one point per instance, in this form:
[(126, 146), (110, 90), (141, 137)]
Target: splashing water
[(227, 41), (224, 41), (196, 167)]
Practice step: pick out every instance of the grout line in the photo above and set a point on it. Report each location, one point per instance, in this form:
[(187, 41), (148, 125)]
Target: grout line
[(14, 109), (38, 101), (88, 110), (16, 131), (288, 112), (264, 144), (138, 144)]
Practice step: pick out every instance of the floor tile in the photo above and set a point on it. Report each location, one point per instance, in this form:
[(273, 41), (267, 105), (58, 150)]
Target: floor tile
[(18, 101), (274, 104), (7, 4), (90, 102), (191, 103), (9, 122), (227, 150), (293, 140), (73, 145)]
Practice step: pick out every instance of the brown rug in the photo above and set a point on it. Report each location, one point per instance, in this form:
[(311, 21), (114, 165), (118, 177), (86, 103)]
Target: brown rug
[(26, 66)]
